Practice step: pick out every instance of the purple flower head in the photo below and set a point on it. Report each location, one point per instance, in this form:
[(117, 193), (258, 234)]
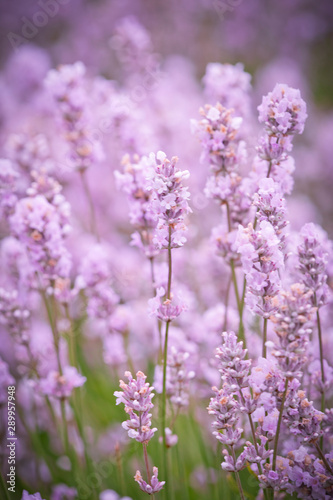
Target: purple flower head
[(38, 225), (218, 134), (313, 255), (170, 439), (233, 367), (155, 485), (61, 386), (169, 201), (34, 496), (293, 326), (68, 87), (137, 396), (165, 309), (301, 416), (271, 207), (230, 85), (283, 111), (8, 179), (63, 492), (261, 258)]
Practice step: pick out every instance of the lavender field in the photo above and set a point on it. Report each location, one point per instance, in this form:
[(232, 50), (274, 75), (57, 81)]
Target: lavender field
[(166, 256)]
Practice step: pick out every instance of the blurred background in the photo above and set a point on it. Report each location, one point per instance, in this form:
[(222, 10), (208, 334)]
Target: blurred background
[(290, 41)]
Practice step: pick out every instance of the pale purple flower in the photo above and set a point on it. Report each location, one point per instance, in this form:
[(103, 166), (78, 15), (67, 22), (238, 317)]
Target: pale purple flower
[(170, 439), (8, 180), (63, 492), (261, 258), (166, 309), (68, 86), (137, 396), (218, 134), (33, 496), (313, 255), (114, 353), (283, 111), (169, 200), (38, 225), (155, 485), (134, 183), (230, 85), (61, 386)]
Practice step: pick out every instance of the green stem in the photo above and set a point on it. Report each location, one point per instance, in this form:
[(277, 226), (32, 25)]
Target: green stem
[(264, 339), (165, 359), (237, 475), (321, 353), (279, 424), (93, 223), (159, 323), (241, 333), (65, 427), (323, 458), (225, 322)]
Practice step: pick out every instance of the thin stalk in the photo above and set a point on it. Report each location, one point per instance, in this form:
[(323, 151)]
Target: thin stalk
[(65, 427), (322, 368), (53, 328), (71, 339), (279, 424), (145, 454), (93, 223), (159, 323), (225, 321), (253, 432), (323, 458), (165, 358), (237, 475), (264, 339), (241, 333)]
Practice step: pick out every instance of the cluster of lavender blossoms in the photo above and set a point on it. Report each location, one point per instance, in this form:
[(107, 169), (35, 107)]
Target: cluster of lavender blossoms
[(79, 304), (137, 397)]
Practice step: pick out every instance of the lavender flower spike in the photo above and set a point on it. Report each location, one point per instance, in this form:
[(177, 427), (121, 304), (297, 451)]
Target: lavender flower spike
[(155, 485), (137, 396)]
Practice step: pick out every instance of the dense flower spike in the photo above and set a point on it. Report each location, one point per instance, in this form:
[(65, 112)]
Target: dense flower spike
[(283, 111), (67, 86), (230, 85), (169, 201), (38, 225), (313, 258), (261, 258), (271, 207), (137, 396), (218, 134), (293, 323)]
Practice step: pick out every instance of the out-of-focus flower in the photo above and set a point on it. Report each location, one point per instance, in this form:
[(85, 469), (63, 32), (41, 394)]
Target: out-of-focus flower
[(61, 386)]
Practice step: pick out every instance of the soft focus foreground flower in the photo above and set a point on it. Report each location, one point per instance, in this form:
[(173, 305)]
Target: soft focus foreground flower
[(61, 386)]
